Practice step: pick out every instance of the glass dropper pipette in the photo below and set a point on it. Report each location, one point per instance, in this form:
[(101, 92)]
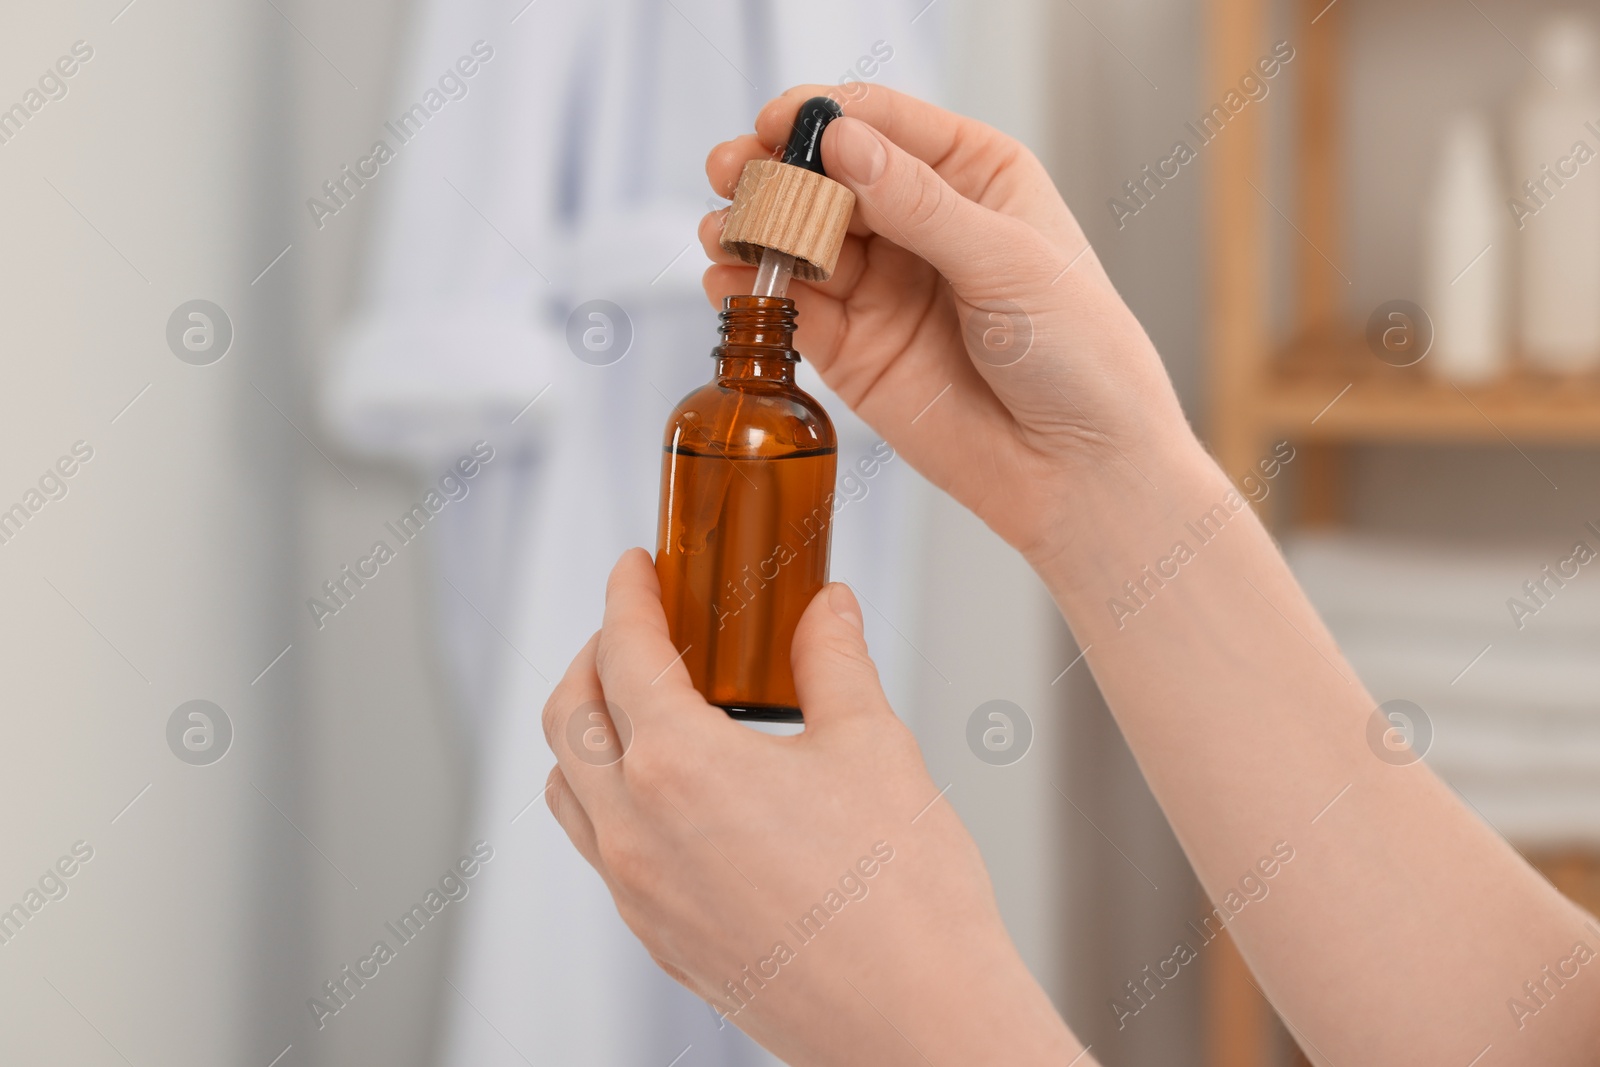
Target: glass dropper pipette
[(772, 276)]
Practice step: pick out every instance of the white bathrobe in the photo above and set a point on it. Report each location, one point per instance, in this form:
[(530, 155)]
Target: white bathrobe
[(573, 170)]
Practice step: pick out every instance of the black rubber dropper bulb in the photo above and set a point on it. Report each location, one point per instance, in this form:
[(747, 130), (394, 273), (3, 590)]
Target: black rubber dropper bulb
[(805, 139)]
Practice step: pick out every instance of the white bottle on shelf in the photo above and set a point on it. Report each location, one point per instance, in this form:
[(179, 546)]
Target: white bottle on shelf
[(1555, 199), (1467, 251)]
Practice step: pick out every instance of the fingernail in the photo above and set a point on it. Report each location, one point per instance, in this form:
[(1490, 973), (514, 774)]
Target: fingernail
[(859, 152), (843, 603)]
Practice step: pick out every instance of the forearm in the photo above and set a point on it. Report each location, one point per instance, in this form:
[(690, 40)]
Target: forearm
[(1402, 925)]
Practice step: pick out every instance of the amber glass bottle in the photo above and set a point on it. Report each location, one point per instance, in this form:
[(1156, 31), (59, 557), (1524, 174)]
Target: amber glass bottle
[(746, 514)]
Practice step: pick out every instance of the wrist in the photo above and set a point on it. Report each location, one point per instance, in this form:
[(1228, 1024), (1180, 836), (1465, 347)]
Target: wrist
[(1120, 512), (1001, 1015), (938, 920)]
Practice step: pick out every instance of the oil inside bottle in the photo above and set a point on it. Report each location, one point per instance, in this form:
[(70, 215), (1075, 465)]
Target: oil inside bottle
[(746, 515)]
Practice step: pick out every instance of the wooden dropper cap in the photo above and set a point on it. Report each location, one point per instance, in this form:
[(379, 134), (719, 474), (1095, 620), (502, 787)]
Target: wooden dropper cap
[(790, 205)]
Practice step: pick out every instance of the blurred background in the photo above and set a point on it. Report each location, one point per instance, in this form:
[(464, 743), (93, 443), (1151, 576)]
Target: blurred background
[(279, 274)]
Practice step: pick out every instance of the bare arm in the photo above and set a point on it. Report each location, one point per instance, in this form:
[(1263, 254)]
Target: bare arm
[(1403, 928), (1398, 928)]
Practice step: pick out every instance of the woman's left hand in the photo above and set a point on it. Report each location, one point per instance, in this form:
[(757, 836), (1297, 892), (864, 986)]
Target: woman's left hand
[(816, 889)]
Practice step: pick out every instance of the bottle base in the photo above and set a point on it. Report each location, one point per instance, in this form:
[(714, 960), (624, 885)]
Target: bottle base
[(762, 712)]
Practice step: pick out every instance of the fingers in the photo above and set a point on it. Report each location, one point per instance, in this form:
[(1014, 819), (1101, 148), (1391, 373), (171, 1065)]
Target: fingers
[(929, 132), (834, 677), (979, 251), (580, 730), (710, 233), (921, 176), (979, 162), (726, 162), (569, 813), (967, 153), (819, 318), (639, 668), (846, 272), (721, 279)]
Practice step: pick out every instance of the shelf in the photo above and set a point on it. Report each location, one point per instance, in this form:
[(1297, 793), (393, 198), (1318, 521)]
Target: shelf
[(1342, 393), (1327, 391)]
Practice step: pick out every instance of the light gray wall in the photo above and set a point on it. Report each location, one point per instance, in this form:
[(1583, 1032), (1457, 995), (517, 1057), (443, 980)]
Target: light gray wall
[(984, 617), (1125, 78), (153, 581)]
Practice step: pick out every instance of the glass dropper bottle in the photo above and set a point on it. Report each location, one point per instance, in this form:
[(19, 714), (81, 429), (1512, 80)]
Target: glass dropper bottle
[(748, 464)]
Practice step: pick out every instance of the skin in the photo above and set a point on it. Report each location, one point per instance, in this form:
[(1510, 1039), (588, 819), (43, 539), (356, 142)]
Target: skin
[(1402, 925)]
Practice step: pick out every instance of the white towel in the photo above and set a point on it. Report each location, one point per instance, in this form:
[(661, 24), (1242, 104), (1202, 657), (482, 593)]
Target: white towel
[(1515, 709)]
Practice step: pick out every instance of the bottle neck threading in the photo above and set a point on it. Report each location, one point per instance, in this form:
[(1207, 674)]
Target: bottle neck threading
[(757, 339)]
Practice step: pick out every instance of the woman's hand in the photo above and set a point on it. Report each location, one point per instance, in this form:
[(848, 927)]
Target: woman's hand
[(967, 320), (815, 889), (1251, 729)]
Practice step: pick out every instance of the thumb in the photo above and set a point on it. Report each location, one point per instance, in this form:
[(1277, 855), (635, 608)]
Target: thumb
[(903, 199), (834, 677)]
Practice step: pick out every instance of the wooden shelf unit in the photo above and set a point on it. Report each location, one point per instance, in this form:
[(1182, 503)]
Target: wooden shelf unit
[(1339, 393), (1325, 392), (1260, 394)]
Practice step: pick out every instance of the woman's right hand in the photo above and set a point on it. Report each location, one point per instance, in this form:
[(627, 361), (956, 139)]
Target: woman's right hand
[(968, 321), (1245, 719)]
